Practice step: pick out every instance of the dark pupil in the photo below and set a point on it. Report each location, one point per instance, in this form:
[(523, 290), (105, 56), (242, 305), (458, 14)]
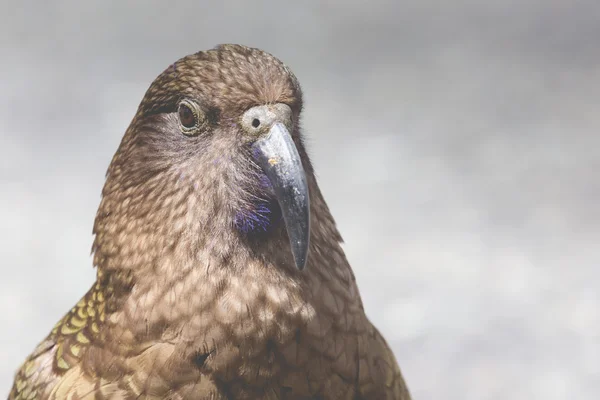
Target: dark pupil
[(186, 116)]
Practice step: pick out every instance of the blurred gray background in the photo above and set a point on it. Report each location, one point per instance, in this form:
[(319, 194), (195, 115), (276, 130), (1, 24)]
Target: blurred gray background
[(455, 141)]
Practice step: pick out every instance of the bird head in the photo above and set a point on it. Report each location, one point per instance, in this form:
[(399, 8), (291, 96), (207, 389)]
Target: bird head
[(214, 152)]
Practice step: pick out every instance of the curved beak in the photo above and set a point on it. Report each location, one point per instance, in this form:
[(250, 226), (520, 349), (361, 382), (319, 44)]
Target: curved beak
[(277, 155)]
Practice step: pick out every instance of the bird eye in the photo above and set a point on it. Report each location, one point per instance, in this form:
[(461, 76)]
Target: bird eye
[(186, 116), (189, 117)]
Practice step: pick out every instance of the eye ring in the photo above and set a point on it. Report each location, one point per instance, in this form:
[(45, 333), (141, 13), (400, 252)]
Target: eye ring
[(191, 117)]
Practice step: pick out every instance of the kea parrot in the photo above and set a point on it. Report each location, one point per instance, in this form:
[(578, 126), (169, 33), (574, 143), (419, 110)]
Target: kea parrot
[(220, 272)]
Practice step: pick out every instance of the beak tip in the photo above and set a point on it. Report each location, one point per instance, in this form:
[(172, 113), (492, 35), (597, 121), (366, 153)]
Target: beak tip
[(300, 261), (300, 245)]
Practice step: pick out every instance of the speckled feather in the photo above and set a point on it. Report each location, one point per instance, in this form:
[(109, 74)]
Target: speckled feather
[(187, 305)]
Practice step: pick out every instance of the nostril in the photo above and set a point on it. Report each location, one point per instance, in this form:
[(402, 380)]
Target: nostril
[(255, 122)]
